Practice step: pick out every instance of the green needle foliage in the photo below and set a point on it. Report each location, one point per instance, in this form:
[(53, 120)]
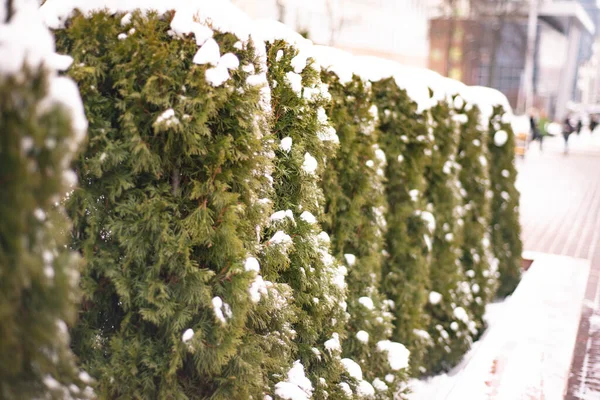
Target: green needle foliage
[(304, 143), (480, 268), (237, 240), (407, 144), (449, 338), (505, 227), (355, 217), (166, 213), (38, 273)]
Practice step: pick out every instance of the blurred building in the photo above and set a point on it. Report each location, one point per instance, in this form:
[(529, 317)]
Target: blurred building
[(491, 51), (393, 29)]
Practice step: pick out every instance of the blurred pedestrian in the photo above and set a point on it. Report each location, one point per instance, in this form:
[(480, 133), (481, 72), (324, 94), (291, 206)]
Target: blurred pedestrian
[(593, 123), (579, 125), (535, 130), (567, 129)]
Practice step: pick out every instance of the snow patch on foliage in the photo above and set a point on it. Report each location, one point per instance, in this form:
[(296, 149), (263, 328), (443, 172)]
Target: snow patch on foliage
[(286, 144), (222, 310), (297, 386), (307, 217), (362, 336), (281, 215), (251, 264), (310, 164), (397, 354), (434, 297), (352, 368), (350, 259), (333, 345), (366, 302), (187, 335), (365, 389)]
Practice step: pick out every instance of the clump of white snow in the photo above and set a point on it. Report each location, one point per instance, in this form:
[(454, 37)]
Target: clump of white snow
[(297, 386), (333, 344), (252, 264), (222, 310), (350, 259), (310, 164), (352, 368), (362, 336), (397, 354), (434, 297), (366, 302), (307, 217), (461, 314), (286, 144), (187, 335)]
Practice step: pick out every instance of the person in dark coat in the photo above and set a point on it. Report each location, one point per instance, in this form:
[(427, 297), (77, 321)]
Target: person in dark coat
[(535, 131), (593, 123), (567, 129)]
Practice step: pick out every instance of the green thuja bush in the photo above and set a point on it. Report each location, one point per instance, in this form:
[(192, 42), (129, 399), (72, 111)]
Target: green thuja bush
[(479, 267), (297, 251), (167, 214), (355, 209), (449, 338), (405, 138), (505, 227), (38, 273)]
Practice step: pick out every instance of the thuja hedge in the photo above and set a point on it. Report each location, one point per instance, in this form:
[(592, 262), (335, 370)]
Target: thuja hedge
[(448, 337), (355, 218), (39, 275), (167, 213), (303, 260), (243, 243), (407, 144), (506, 230)]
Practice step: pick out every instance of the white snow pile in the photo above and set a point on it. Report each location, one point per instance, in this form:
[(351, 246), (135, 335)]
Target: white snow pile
[(252, 264), (187, 335), (434, 297), (366, 302), (310, 164), (397, 354), (222, 310), (297, 386), (362, 336), (308, 217), (352, 368), (333, 345)]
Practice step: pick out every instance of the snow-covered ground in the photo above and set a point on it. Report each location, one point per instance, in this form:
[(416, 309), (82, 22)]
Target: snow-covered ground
[(526, 351)]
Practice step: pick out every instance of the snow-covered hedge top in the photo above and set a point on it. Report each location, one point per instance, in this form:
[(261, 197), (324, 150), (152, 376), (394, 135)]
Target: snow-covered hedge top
[(194, 17)]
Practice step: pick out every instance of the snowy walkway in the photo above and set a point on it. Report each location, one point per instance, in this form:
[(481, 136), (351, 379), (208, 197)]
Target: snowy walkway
[(560, 214)]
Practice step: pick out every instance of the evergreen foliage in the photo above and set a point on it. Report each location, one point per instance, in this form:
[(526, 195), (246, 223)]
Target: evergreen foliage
[(355, 218), (167, 213), (477, 262), (304, 143), (38, 273), (263, 226), (407, 144), (449, 338), (505, 227)]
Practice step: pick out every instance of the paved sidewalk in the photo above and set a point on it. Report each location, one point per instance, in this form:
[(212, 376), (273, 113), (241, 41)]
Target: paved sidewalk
[(560, 214)]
